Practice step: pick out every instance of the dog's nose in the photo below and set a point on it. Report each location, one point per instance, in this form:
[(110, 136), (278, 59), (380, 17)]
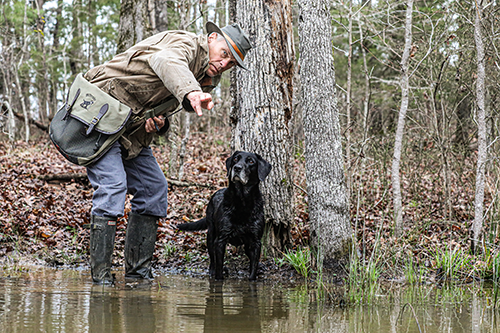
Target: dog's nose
[(237, 168)]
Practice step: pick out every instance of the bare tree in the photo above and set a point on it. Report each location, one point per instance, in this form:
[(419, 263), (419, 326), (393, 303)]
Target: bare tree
[(263, 107), (482, 150), (180, 123), (327, 194), (42, 70), (76, 52), (405, 90)]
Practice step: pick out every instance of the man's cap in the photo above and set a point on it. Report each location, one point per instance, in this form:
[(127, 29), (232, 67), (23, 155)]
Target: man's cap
[(236, 39)]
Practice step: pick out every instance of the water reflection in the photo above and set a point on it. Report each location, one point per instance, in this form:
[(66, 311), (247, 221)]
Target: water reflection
[(224, 310), (130, 311), (45, 300)]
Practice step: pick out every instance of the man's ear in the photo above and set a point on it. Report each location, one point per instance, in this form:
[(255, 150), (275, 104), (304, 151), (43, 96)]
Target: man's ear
[(212, 37)]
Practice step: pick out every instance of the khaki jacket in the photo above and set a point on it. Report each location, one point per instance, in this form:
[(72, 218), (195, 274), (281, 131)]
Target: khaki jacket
[(146, 75)]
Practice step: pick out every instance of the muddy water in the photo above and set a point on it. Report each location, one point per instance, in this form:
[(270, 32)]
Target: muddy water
[(44, 300)]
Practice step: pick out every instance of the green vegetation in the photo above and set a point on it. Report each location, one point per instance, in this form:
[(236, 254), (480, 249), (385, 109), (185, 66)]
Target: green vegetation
[(299, 259)]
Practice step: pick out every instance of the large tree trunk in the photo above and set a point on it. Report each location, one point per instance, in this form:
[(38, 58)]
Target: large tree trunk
[(396, 160), (481, 131), (327, 194), (263, 107)]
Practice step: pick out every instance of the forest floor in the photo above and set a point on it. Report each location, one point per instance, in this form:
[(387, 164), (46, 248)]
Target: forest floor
[(45, 204)]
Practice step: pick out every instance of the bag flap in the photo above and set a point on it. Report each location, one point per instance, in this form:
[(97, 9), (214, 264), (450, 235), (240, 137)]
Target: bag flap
[(96, 108)]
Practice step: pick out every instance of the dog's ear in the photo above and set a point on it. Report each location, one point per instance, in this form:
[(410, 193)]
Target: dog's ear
[(230, 163), (264, 167)]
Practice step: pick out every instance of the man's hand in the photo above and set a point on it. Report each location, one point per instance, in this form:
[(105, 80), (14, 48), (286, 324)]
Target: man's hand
[(200, 99), (154, 124)]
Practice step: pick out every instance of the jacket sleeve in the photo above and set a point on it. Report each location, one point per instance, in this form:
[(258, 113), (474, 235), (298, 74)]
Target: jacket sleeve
[(172, 67)]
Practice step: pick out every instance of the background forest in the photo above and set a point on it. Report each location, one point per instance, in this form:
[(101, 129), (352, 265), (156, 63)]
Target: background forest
[(44, 44)]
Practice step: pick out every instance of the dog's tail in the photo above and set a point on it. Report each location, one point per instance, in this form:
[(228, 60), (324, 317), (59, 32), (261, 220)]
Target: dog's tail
[(194, 226)]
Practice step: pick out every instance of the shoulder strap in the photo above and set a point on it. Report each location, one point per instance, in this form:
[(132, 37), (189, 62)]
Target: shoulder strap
[(156, 111)]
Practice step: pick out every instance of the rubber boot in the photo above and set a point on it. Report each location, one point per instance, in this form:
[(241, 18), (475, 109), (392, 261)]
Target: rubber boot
[(140, 245), (102, 241)]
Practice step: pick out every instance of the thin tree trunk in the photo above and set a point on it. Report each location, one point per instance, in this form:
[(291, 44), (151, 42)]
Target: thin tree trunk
[(20, 91), (263, 108), (76, 53), (327, 194), (23, 106), (366, 99), (220, 12), (41, 76), (395, 176), (54, 78), (11, 122), (481, 121), (93, 56), (348, 101), (178, 122), (184, 141), (134, 24), (366, 108)]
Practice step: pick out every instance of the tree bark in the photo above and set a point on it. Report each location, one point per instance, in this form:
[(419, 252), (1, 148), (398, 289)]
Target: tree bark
[(395, 176), (11, 122), (41, 76), (76, 53), (348, 100), (134, 24), (331, 231), (482, 150), (158, 13), (263, 108), (54, 78)]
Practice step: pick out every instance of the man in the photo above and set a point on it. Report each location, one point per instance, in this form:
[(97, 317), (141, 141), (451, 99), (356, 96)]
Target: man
[(171, 64)]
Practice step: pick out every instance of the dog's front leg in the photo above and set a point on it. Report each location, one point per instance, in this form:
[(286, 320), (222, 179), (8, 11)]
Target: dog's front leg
[(211, 252), (220, 249), (252, 250)]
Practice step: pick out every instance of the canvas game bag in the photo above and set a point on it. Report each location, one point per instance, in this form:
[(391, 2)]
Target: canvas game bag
[(88, 124)]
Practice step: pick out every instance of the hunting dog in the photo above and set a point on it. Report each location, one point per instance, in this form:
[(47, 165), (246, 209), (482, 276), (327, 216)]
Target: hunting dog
[(235, 214)]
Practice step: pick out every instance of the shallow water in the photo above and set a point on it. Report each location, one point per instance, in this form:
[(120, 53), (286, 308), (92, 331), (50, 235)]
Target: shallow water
[(46, 300)]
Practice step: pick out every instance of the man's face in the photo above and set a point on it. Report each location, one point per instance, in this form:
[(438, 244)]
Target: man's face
[(220, 56)]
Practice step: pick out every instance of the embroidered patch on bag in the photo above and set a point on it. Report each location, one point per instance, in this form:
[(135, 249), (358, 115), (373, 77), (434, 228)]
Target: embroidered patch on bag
[(88, 100), (111, 222)]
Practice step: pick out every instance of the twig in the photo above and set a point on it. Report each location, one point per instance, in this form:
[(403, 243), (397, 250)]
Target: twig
[(300, 188), (189, 184), (414, 315)]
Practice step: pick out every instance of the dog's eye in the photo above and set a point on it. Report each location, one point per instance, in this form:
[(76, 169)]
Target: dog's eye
[(250, 161), (236, 158)]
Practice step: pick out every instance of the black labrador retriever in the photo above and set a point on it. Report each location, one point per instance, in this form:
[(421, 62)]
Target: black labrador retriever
[(235, 214)]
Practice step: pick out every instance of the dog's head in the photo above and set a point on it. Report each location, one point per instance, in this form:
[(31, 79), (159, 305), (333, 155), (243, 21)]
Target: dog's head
[(247, 168)]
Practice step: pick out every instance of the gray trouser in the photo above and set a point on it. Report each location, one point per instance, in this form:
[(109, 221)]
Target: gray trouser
[(112, 177)]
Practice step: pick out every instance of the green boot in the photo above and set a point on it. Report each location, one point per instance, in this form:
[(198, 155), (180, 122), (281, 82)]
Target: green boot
[(102, 241), (140, 245)]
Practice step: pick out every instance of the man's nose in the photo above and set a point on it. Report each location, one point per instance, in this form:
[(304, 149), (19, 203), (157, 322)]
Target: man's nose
[(225, 63)]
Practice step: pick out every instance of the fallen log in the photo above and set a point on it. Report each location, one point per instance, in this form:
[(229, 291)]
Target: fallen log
[(38, 124), (80, 176), (63, 176)]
